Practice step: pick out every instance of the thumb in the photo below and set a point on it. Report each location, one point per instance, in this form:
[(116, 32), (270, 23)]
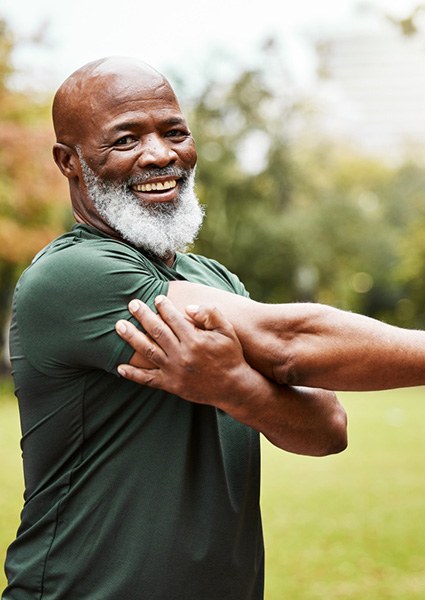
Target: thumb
[(207, 317)]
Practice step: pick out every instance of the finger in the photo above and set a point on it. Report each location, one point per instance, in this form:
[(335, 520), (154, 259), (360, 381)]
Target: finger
[(175, 320), (140, 342), (154, 325), (210, 318), (149, 377)]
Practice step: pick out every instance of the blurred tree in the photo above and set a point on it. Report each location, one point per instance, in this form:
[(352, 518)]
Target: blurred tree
[(297, 216), (246, 177), (352, 214), (410, 272), (33, 207)]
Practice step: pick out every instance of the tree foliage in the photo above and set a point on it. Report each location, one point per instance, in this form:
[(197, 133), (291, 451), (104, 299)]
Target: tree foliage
[(297, 216), (33, 207)]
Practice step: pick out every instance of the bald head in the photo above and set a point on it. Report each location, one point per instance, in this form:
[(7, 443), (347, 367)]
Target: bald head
[(84, 93), (118, 123)]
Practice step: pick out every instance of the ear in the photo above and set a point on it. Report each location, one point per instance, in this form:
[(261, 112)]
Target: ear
[(67, 160)]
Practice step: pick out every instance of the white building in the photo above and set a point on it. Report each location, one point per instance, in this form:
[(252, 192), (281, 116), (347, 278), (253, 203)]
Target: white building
[(372, 89)]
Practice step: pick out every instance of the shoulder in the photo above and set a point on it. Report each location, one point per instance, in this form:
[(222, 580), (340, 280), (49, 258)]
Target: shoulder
[(75, 269), (71, 256), (208, 271)]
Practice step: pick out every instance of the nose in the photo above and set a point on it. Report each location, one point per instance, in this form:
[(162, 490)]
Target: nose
[(156, 151)]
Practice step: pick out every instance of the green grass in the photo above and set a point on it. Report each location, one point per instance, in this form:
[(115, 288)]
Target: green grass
[(345, 527), (351, 526), (11, 479)]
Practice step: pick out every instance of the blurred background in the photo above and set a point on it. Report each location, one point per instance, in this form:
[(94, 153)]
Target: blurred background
[(310, 124)]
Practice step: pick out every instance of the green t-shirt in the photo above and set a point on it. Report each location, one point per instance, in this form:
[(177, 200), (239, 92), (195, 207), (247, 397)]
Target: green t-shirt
[(131, 493)]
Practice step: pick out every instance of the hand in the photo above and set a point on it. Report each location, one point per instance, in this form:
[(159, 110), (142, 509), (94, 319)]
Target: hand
[(197, 357)]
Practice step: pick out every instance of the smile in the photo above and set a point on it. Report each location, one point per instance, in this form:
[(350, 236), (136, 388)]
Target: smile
[(154, 187)]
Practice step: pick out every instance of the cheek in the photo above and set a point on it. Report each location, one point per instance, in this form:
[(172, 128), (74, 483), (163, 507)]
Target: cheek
[(116, 167), (188, 155)]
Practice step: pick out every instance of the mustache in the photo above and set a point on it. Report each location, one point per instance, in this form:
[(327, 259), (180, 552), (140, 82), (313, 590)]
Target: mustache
[(172, 172)]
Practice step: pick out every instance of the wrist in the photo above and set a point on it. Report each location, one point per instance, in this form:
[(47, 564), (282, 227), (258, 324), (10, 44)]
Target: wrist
[(250, 395)]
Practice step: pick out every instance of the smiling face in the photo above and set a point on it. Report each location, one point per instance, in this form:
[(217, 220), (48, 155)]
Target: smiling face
[(161, 227), (120, 131)]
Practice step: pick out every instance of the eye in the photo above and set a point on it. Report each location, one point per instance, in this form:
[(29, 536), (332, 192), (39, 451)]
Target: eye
[(126, 140), (178, 134)]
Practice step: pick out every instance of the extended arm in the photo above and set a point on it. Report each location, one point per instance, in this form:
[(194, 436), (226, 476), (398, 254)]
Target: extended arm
[(316, 345), (206, 365)]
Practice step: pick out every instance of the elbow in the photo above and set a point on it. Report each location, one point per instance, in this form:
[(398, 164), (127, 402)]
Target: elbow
[(336, 440), (290, 369), (330, 437)]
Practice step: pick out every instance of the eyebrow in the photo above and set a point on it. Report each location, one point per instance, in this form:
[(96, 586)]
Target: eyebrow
[(125, 125)]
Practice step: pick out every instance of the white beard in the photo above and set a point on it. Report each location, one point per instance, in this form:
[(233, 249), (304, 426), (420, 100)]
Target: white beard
[(160, 228)]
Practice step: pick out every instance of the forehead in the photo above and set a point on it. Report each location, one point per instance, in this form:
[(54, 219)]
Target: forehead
[(117, 100)]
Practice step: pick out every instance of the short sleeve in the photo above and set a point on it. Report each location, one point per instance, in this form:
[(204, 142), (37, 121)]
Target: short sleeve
[(67, 305), (199, 269)]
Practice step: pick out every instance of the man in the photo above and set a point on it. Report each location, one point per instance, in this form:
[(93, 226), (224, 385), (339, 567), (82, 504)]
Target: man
[(136, 493), (132, 493)]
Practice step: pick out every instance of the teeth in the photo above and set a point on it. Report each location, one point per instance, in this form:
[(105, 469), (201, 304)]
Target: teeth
[(152, 187)]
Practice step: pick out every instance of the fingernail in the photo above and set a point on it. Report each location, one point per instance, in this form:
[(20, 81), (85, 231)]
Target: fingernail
[(159, 299), (134, 306), (121, 327), (121, 371), (193, 308)]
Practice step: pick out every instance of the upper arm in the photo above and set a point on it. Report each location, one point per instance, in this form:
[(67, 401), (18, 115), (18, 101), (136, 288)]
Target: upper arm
[(253, 321), (182, 293), (241, 311), (67, 309)]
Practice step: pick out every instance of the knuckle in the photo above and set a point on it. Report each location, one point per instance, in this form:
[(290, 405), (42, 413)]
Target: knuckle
[(149, 380), (157, 331), (187, 362), (146, 378), (193, 347), (171, 318), (150, 352)]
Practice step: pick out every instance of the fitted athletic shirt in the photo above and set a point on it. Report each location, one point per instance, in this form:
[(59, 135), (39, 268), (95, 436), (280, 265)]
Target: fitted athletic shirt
[(131, 493)]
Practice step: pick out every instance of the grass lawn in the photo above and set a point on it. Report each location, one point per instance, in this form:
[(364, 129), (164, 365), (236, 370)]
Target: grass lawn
[(345, 527), (351, 526), (11, 480)]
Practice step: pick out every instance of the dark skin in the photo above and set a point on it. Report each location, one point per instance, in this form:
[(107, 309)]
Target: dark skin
[(144, 130), (298, 344), (124, 120)]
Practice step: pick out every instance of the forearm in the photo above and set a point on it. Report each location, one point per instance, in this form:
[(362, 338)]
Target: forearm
[(299, 420), (317, 345)]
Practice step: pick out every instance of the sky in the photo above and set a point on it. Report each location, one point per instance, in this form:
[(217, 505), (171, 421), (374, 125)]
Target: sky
[(174, 36)]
